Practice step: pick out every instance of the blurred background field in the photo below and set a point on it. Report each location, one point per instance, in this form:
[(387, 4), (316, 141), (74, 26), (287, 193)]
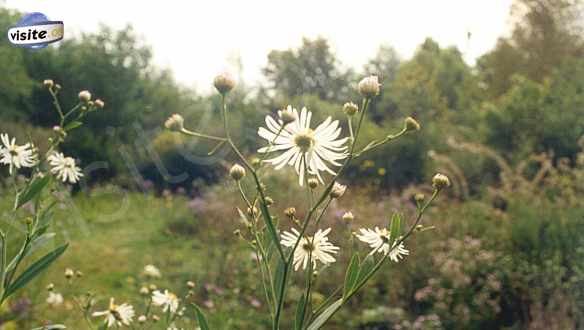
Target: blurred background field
[(507, 249)]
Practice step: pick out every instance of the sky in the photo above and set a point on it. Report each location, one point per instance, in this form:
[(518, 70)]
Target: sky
[(198, 39)]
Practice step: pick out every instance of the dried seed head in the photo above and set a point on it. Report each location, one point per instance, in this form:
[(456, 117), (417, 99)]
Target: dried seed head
[(369, 87), (410, 125), (338, 190), (84, 96), (350, 108), (224, 83), (175, 123), (440, 181), (237, 172)]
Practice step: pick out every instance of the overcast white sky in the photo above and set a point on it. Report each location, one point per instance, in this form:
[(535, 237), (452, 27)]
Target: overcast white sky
[(197, 39)]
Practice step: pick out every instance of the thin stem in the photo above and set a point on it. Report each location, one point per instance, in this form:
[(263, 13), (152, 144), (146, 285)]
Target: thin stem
[(204, 136)]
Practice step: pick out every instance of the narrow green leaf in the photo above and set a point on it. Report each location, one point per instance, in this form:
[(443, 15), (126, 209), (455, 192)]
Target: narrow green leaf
[(38, 243), (72, 125), (201, 318), (299, 319), (2, 260), (271, 228), (366, 267), (44, 219), (394, 228), (351, 275), (35, 269), (31, 191), (279, 277), (326, 315)]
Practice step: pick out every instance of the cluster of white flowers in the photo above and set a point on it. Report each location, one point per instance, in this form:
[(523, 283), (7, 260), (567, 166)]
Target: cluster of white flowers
[(20, 156)]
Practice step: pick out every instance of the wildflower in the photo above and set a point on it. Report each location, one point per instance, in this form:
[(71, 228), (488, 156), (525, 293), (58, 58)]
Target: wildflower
[(84, 96), (142, 319), (348, 216), (191, 284), (54, 299), (64, 167), (144, 291), (287, 115), (14, 155), (369, 86), (152, 271), (316, 248), (117, 314), (304, 147), (237, 172), (440, 181), (350, 108), (69, 273), (378, 240), (99, 104), (48, 83), (224, 83), (167, 300), (410, 125), (175, 123), (338, 190)]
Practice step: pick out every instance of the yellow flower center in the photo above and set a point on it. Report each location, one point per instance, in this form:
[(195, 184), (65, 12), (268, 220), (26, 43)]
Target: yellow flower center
[(304, 140)]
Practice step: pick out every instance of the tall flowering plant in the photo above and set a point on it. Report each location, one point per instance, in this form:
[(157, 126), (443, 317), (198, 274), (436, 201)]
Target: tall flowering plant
[(319, 155), (32, 210)]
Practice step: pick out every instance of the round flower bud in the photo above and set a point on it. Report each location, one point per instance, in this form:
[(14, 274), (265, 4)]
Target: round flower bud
[(419, 197), (69, 273), (84, 96), (369, 87), (190, 284), (224, 83), (48, 83), (175, 123), (237, 233), (50, 287), (144, 291), (155, 318), (312, 183), (152, 287), (440, 181), (79, 274), (142, 319), (290, 212), (237, 172), (99, 104), (410, 125), (348, 216), (269, 201), (338, 190), (57, 87), (350, 108), (287, 115)]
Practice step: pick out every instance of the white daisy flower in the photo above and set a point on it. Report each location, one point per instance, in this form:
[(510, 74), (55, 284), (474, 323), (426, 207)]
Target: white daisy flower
[(64, 167), (378, 240), (14, 155), (167, 300), (55, 299), (152, 271), (319, 147), (117, 314), (317, 248)]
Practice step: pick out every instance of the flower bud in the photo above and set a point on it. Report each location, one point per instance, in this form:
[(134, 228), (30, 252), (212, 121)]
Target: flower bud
[(350, 108), (348, 217), (369, 87), (190, 284), (338, 190), (237, 172), (312, 183), (237, 233), (290, 212), (175, 123), (287, 115), (48, 83), (142, 319), (99, 104), (269, 201), (440, 181), (224, 83), (79, 274), (69, 273), (155, 318), (419, 197), (410, 125), (144, 291), (252, 211), (50, 287), (57, 87), (84, 96)]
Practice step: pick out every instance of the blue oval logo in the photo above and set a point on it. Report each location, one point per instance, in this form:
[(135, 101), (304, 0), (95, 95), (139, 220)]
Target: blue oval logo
[(35, 31)]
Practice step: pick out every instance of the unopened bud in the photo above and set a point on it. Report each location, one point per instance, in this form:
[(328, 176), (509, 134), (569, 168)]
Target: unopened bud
[(69, 273), (252, 211), (142, 319), (419, 197), (50, 287), (190, 284), (175, 123), (224, 83), (287, 115), (84, 96), (237, 233), (155, 318), (350, 108), (290, 212), (269, 201), (369, 87), (410, 125), (237, 172), (338, 190), (57, 87), (312, 183), (48, 83), (144, 291), (348, 217), (440, 181), (99, 104), (78, 274)]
